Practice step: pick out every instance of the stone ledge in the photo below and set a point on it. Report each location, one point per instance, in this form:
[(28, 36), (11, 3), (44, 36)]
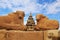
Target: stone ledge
[(20, 35), (26, 35), (3, 34)]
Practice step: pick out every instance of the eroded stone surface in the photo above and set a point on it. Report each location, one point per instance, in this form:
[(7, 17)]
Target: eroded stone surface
[(29, 35), (3, 34), (51, 35), (14, 20), (25, 35), (44, 23)]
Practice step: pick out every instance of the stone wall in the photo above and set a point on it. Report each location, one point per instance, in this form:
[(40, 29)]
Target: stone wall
[(49, 34), (28, 35), (20, 35), (3, 35)]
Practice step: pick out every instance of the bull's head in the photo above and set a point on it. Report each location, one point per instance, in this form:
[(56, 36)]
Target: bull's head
[(20, 14), (39, 17)]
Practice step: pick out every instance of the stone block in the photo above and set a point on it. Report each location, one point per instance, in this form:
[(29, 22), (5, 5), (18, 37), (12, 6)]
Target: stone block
[(51, 34), (3, 34), (25, 35)]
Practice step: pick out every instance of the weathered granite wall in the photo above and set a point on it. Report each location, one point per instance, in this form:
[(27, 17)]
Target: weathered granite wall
[(28, 35), (49, 34), (20, 35), (25, 35), (3, 35)]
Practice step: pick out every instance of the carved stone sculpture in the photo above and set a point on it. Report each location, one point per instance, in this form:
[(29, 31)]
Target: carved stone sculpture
[(30, 23), (43, 23), (13, 20)]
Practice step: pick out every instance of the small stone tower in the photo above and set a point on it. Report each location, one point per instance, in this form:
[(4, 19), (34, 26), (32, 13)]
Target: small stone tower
[(30, 23)]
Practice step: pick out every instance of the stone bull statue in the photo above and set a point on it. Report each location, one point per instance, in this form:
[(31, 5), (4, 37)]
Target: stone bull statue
[(43, 23), (13, 21)]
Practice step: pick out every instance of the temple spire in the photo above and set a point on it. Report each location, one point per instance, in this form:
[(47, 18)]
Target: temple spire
[(30, 23), (30, 14)]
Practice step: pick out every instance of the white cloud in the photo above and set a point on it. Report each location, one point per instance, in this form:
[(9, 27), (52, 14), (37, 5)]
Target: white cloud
[(54, 7), (25, 20), (25, 5), (30, 6), (3, 14)]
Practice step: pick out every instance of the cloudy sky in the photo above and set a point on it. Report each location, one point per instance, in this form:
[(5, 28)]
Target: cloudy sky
[(50, 8)]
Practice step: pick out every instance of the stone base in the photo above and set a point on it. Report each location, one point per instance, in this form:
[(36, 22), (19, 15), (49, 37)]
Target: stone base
[(29, 35), (25, 35), (3, 34), (20, 35), (50, 34)]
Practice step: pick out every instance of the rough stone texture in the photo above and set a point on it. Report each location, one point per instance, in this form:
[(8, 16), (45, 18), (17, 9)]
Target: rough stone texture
[(48, 35), (44, 23), (13, 20), (2, 34), (29, 35), (25, 35)]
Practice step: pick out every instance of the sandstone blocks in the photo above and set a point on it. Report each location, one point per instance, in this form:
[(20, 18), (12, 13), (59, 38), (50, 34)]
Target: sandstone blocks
[(29, 35), (22, 35), (3, 34), (51, 35)]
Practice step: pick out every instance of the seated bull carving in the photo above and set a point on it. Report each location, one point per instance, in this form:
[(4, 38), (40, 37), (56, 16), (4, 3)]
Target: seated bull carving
[(43, 23), (13, 21)]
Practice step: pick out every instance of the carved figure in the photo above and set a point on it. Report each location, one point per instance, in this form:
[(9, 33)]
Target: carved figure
[(13, 20), (43, 23)]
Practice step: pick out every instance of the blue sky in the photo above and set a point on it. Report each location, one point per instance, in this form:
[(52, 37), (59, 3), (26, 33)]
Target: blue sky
[(50, 8)]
